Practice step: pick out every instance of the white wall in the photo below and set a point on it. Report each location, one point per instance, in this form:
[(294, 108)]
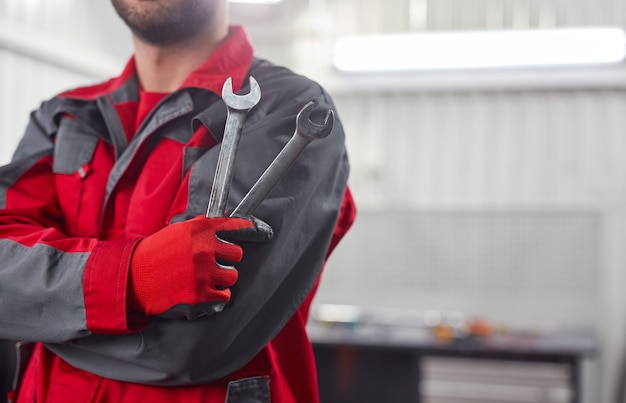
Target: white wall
[(47, 47), (25, 83)]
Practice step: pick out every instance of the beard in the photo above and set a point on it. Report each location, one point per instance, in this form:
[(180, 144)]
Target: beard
[(165, 22)]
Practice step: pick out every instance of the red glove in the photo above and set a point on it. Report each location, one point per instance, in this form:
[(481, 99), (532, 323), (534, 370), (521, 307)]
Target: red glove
[(175, 272)]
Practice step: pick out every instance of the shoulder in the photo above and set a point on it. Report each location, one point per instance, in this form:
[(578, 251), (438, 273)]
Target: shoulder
[(282, 82), (125, 83), (286, 91), (89, 91)]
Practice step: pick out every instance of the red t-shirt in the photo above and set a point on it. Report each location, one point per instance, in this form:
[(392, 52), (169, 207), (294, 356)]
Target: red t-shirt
[(147, 102)]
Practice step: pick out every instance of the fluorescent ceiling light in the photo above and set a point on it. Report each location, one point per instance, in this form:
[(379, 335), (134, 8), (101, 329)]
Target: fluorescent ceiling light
[(484, 49)]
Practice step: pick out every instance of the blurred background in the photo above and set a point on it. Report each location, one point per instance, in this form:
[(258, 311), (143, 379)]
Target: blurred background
[(488, 261)]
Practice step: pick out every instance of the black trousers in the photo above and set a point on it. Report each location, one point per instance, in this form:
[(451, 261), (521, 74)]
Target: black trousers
[(7, 367)]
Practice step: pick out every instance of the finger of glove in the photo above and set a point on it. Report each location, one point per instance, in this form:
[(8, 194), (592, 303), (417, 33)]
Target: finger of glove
[(198, 294), (257, 231), (243, 228), (224, 276), (227, 252), (193, 312)]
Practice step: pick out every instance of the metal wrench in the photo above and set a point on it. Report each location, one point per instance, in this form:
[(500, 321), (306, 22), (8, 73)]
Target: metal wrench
[(306, 131), (238, 107)]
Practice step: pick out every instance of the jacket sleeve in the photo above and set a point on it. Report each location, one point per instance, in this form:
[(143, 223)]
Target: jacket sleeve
[(274, 278), (44, 292)]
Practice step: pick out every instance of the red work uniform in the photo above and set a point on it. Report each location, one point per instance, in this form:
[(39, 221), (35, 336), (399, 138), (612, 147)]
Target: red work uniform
[(103, 166)]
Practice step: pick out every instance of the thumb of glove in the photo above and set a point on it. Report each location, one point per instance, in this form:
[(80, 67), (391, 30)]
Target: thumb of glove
[(260, 231)]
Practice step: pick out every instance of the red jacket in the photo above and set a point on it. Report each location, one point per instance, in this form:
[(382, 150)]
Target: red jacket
[(88, 181)]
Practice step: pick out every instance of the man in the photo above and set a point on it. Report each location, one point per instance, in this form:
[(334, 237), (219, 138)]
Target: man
[(108, 262)]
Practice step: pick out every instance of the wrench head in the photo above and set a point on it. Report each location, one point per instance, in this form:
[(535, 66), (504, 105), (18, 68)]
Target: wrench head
[(311, 130), (241, 102)]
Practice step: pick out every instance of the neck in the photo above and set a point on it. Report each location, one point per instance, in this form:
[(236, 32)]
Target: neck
[(165, 68)]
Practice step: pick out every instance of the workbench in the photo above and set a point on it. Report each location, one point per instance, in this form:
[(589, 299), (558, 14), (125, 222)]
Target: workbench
[(397, 365)]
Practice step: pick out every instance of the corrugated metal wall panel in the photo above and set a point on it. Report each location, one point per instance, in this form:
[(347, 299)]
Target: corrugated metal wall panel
[(494, 149), (374, 16)]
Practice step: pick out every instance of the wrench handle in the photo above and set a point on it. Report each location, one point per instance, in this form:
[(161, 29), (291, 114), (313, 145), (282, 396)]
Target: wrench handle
[(276, 170), (225, 163)]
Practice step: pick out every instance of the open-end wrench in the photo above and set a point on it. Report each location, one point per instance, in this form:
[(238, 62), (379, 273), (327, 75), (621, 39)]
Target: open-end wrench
[(238, 107), (306, 131)]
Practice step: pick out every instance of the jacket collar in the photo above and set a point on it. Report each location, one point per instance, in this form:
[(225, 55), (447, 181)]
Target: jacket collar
[(232, 58)]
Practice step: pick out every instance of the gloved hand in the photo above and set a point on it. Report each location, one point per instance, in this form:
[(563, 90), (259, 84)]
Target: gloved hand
[(180, 271)]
